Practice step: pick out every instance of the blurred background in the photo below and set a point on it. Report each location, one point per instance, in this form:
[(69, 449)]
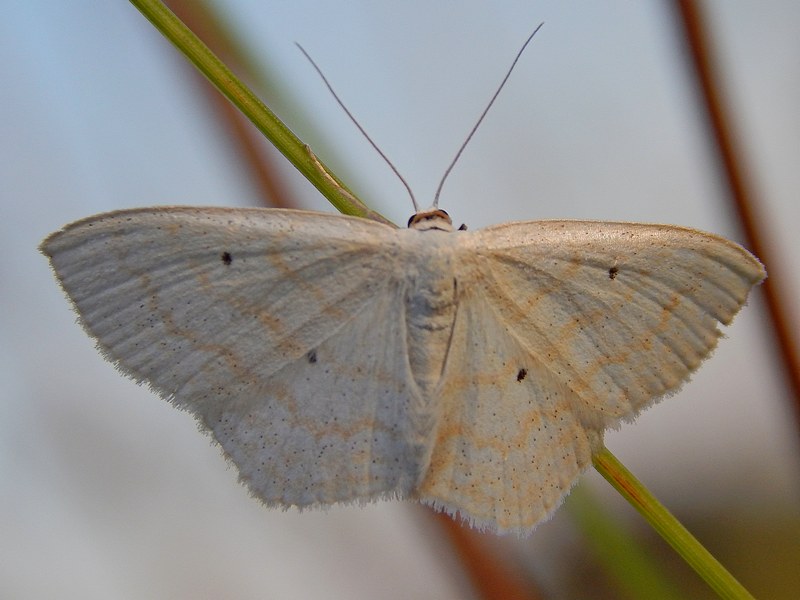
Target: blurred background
[(108, 492)]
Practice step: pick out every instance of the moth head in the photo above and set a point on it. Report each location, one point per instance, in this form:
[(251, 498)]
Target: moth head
[(432, 218)]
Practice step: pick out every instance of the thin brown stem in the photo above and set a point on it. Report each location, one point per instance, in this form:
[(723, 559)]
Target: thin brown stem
[(741, 190)]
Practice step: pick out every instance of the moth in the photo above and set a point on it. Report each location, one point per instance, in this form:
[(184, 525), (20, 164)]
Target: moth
[(337, 359)]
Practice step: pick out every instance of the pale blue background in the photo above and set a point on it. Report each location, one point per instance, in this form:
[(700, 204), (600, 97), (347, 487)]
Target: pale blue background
[(107, 492)]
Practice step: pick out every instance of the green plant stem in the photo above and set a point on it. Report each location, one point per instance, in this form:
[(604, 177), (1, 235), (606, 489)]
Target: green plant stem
[(298, 153), (675, 534), (625, 562)]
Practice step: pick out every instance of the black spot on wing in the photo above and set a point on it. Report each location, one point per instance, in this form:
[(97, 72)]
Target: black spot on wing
[(522, 374), (226, 257)]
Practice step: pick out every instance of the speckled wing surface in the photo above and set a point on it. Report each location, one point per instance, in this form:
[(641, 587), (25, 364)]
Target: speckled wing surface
[(269, 326), (568, 328), (336, 359)]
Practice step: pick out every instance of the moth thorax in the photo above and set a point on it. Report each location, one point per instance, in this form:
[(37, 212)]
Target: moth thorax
[(432, 218), (430, 313)]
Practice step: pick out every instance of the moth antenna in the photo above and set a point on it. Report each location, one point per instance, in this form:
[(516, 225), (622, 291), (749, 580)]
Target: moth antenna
[(483, 114), (357, 124)]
